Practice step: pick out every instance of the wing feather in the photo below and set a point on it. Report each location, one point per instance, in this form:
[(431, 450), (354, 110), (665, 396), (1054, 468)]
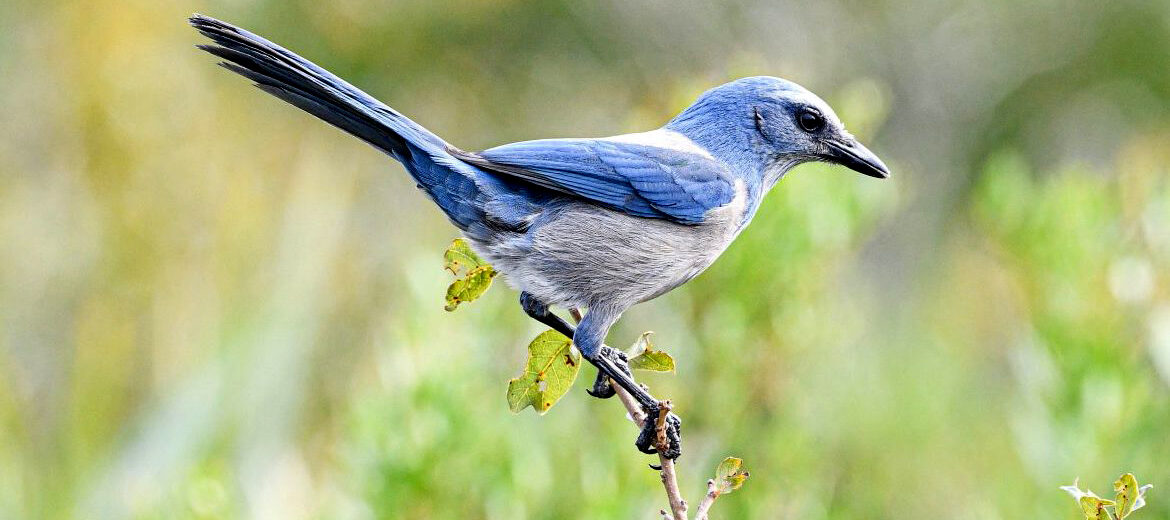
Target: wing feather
[(638, 179)]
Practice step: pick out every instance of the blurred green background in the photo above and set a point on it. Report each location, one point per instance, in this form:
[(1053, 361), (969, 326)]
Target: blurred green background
[(215, 306)]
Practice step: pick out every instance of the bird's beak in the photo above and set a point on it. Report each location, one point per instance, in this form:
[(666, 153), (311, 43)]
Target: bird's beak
[(851, 154)]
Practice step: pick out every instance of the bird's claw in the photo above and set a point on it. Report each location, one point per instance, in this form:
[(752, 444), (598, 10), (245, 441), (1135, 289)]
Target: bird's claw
[(648, 437), (603, 386)]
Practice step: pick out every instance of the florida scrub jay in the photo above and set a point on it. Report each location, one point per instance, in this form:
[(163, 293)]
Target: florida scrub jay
[(600, 224)]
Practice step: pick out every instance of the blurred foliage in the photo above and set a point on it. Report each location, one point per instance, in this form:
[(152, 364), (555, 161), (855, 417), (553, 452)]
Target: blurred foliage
[(214, 306)]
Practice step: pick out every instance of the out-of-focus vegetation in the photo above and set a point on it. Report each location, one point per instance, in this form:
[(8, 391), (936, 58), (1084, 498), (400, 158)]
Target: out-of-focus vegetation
[(214, 306)]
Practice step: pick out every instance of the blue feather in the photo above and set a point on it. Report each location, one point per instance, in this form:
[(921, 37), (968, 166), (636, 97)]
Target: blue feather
[(637, 179)]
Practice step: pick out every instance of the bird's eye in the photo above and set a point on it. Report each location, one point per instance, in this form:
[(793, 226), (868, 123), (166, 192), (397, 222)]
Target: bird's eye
[(810, 121)]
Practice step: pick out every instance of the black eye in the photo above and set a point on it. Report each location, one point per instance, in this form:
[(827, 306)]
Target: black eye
[(810, 121)]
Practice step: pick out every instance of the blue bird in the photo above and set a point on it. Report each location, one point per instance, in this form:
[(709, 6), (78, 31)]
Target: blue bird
[(600, 224)]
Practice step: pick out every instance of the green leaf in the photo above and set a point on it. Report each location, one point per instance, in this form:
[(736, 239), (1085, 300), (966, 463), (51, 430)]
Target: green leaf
[(1092, 505), (728, 476), (1130, 496), (1094, 508), (1127, 494), (470, 287), (552, 367), (644, 357), (459, 258)]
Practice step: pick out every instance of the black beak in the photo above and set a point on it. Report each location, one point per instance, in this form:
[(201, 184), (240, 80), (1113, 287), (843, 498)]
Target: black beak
[(851, 154)]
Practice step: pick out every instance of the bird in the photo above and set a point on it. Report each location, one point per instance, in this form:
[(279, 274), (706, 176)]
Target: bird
[(600, 224)]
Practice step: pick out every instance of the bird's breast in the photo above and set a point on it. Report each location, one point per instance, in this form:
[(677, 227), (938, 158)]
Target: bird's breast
[(581, 254)]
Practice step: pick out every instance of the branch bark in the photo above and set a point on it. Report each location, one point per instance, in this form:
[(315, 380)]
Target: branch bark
[(708, 500)]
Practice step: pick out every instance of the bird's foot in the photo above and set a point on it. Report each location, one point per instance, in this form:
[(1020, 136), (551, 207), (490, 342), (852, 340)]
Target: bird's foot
[(603, 386), (670, 443), (661, 430)]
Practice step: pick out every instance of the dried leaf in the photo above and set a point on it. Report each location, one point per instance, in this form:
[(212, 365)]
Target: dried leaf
[(551, 369)]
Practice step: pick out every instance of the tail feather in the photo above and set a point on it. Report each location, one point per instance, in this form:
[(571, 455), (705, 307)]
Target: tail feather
[(298, 81), (449, 182)]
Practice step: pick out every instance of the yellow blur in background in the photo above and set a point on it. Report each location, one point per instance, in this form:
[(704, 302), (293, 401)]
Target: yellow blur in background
[(213, 305)]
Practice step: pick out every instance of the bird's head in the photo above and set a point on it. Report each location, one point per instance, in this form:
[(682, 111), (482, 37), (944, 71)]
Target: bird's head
[(768, 121)]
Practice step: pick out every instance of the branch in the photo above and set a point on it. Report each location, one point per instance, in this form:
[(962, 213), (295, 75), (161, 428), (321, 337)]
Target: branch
[(678, 506), (708, 500)]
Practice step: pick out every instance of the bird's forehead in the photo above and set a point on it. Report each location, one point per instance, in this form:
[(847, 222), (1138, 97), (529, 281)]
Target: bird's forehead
[(788, 93), (809, 99)]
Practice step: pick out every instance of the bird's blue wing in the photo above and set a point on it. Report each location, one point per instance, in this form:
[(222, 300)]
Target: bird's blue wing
[(637, 179)]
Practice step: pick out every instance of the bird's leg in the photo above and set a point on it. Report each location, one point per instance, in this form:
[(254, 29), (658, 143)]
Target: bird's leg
[(611, 364), (538, 311), (602, 387)]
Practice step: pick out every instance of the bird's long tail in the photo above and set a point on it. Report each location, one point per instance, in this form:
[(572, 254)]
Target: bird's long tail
[(298, 81)]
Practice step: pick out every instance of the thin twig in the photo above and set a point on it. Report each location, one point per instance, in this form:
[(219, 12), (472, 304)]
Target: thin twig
[(678, 506), (705, 505)]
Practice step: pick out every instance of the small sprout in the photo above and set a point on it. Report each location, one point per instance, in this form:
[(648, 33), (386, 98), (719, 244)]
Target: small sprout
[(644, 357), (551, 369), (729, 476), (1130, 497), (476, 274)]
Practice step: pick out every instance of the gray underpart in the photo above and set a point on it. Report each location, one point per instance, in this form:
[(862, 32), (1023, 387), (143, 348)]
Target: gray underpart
[(576, 254)]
